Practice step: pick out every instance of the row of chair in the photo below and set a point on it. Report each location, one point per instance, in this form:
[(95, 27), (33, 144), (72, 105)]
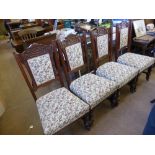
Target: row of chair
[(61, 107)]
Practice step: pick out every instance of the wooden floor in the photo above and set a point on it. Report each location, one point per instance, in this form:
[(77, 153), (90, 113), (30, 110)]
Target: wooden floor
[(21, 116)]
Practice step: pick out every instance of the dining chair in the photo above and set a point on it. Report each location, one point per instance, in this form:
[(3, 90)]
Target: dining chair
[(90, 88), (40, 67), (123, 53), (101, 41), (27, 34)]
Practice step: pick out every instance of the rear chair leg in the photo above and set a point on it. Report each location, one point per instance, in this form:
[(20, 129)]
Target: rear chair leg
[(137, 77), (133, 84), (87, 120), (114, 99), (148, 74)]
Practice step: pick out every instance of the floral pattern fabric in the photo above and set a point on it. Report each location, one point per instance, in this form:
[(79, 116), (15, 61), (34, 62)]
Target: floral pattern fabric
[(119, 73), (138, 61), (123, 37), (58, 109), (102, 45), (41, 69), (93, 89), (75, 56)]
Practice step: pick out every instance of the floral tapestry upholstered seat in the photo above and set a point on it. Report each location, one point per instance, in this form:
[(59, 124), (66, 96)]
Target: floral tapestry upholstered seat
[(93, 89), (138, 61), (60, 108), (119, 73)]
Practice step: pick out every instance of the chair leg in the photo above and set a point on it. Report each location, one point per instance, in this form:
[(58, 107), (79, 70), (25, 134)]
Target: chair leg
[(133, 84), (87, 120), (137, 77), (148, 74), (114, 99)]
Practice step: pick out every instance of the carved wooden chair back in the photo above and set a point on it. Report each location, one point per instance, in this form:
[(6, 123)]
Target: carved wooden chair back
[(101, 42), (123, 38), (73, 55), (26, 34), (40, 66)]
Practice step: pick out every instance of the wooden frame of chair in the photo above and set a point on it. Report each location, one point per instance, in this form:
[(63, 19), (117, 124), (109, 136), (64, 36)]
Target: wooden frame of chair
[(128, 47), (94, 34), (118, 28), (70, 40), (34, 51)]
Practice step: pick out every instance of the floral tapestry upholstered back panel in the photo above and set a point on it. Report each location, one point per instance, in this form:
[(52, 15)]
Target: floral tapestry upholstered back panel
[(102, 45), (123, 37), (75, 56), (41, 69)]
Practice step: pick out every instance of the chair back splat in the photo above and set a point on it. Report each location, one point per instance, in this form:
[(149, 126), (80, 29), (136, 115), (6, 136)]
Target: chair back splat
[(27, 34), (40, 66)]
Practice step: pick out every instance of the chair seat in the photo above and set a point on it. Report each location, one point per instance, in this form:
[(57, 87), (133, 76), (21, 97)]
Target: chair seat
[(60, 108), (93, 89), (138, 61), (117, 72)]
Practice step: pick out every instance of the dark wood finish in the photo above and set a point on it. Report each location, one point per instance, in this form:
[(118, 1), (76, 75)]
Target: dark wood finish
[(87, 120), (94, 34), (133, 84), (19, 45), (37, 50), (70, 40), (128, 48), (125, 48), (100, 32), (26, 34), (45, 39), (28, 25), (14, 24), (143, 47), (114, 99), (148, 73), (119, 51), (34, 51), (97, 61), (40, 31), (16, 40)]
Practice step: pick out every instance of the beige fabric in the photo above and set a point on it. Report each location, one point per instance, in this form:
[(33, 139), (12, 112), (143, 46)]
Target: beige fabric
[(141, 62)]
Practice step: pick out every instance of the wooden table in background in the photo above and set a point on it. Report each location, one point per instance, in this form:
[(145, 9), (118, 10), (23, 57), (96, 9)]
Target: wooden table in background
[(143, 46), (19, 45)]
